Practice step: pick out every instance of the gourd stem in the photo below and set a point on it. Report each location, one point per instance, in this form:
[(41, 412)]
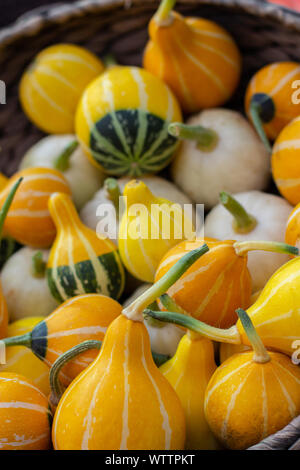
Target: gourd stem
[(206, 139), (255, 110), (231, 335), (62, 162), (22, 340), (7, 203), (171, 305), (242, 248), (113, 193), (162, 16), (135, 310), (38, 265), (260, 353), (109, 60), (242, 221)]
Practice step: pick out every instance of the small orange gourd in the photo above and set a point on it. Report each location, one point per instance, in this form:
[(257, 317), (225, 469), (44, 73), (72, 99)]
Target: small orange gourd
[(122, 401), (268, 99), (80, 260), (197, 58), (285, 162), (292, 234), (29, 221), (253, 394), (24, 414)]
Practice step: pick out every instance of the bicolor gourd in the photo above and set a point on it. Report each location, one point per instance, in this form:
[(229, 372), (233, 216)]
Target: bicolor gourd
[(80, 260), (20, 360), (104, 408), (219, 151), (252, 395), (186, 52), (219, 282), (85, 317), (285, 162), (29, 221), (52, 84), (269, 99), (63, 153), (243, 217), (24, 414), (126, 132), (149, 227)]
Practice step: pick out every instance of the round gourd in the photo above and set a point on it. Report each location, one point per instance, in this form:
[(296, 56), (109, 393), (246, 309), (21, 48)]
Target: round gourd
[(122, 122), (21, 360), (24, 414), (63, 153), (30, 297), (29, 221), (51, 86), (285, 162), (197, 58), (80, 260)]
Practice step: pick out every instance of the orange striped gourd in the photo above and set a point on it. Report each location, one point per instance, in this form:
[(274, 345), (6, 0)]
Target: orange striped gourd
[(269, 98), (186, 52), (21, 360), (85, 317), (122, 401), (80, 260), (252, 395), (29, 221), (52, 84), (285, 162), (24, 414), (292, 234)]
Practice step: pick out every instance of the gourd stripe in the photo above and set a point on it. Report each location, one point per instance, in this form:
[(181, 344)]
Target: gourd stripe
[(89, 415), (180, 77), (218, 83), (288, 182), (122, 138), (14, 359), (169, 260), (61, 56), (213, 291), (24, 406), (33, 194), (264, 405), (44, 95), (291, 405), (153, 222), (148, 261), (125, 427), (23, 443), (164, 414), (295, 214), (278, 318), (156, 143), (36, 214), (224, 379), (284, 81), (77, 279), (160, 157), (221, 54), (203, 32), (292, 144), (142, 128), (185, 279), (21, 382), (277, 364), (231, 404), (45, 70), (226, 304), (84, 330), (40, 177)]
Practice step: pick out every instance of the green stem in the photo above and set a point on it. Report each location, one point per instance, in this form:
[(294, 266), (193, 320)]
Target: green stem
[(242, 221), (260, 353), (255, 110), (62, 162), (38, 265), (231, 335), (7, 203), (109, 60), (170, 304), (135, 310), (242, 248), (206, 139), (113, 191), (163, 16), (22, 340)]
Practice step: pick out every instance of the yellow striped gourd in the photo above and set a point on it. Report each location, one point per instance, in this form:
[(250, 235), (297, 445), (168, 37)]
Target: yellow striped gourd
[(80, 261), (52, 84), (122, 122)]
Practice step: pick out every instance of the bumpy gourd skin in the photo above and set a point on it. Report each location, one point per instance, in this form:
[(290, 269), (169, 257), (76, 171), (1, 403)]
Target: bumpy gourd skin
[(122, 122), (121, 401), (246, 401), (197, 58)]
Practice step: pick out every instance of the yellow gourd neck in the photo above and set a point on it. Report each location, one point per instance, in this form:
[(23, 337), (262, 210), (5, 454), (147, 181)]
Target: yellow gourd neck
[(136, 192), (166, 28), (63, 212)]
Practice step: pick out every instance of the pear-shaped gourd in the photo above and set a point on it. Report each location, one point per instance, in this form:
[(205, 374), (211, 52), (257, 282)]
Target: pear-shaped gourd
[(150, 226), (252, 395), (80, 261), (122, 401), (197, 58)]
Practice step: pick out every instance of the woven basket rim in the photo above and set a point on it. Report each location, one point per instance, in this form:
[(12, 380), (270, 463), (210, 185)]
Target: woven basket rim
[(31, 25)]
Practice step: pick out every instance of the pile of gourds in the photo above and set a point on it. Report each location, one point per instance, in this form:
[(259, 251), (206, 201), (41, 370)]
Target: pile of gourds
[(211, 342)]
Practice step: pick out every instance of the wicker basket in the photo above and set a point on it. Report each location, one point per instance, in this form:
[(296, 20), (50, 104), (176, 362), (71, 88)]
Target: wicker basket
[(121, 28)]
